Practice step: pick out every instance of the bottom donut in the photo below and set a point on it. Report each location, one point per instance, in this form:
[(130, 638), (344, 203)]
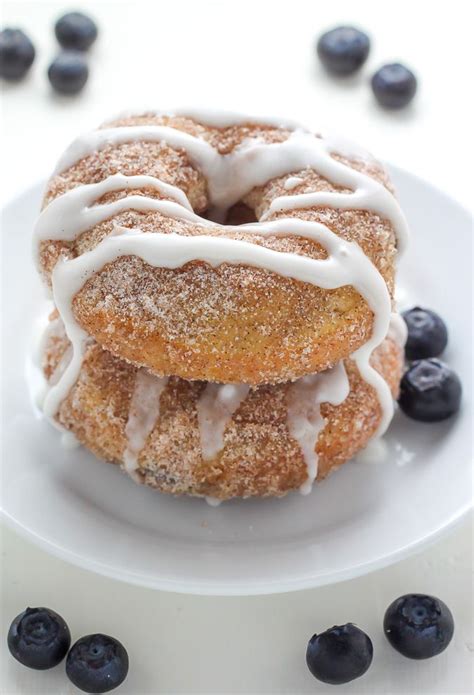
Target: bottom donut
[(193, 438)]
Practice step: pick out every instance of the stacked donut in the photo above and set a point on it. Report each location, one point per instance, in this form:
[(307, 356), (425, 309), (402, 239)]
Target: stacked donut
[(224, 321)]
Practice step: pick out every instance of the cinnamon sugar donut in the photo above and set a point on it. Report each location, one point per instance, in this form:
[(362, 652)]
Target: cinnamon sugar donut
[(135, 263), (201, 439)]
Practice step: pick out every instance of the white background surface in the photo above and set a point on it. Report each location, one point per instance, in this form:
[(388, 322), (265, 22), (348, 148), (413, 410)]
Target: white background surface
[(256, 57)]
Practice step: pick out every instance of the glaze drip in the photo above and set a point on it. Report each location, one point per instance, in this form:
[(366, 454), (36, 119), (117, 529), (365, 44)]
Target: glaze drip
[(215, 409), (142, 416), (304, 418), (292, 182)]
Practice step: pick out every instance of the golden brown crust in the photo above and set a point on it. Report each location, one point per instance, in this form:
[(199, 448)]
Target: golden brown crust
[(233, 323), (259, 457)]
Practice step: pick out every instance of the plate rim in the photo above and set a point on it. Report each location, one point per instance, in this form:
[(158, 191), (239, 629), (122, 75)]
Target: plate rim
[(229, 589)]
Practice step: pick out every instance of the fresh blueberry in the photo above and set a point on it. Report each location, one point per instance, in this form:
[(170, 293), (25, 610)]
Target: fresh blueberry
[(340, 654), (68, 72), (394, 86), (76, 31), (343, 50), (418, 626), (430, 391), (427, 334), (39, 638), (17, 54), (97, 664)]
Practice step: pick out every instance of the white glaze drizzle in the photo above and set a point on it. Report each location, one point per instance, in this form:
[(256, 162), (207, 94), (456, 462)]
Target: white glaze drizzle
[(213, 501), (292, 182), (397, 330), (61, 367), (73, 212), (362, 198), (69, 440), (67, 216), (143, 413), (366, 192), (53, 329), (199, 151), (215, 408), (229, 178), (304, 418)]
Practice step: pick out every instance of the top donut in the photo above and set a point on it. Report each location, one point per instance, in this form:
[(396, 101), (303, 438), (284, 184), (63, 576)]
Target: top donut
[(220, 250)]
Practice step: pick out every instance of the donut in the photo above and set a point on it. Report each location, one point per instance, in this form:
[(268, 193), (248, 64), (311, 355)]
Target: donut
[(224, 323), (219, 440), (142, 242)]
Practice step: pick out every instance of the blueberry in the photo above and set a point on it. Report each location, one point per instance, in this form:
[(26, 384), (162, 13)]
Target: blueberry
[(17, 54), (343, 50), (394, 86), (39, 638), (430, 391), (97, 663), (68, 72), (427, 334), (340, 654), (418, 626), (76, 30)]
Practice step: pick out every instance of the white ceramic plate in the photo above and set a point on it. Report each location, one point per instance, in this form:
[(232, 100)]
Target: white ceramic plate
[(363, 517)]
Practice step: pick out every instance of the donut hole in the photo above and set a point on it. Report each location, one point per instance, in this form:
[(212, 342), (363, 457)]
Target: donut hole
[(236, 215)]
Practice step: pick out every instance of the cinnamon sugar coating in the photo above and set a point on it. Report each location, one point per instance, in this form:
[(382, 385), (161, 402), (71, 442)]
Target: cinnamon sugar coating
[(233, 323)]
